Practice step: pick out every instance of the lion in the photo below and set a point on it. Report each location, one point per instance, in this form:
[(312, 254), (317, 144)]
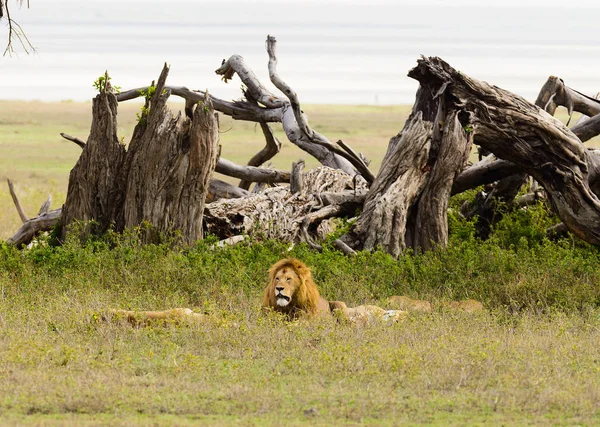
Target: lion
[(292, 291), (365, 314), (409, 304), (145, 318), (467, 305)]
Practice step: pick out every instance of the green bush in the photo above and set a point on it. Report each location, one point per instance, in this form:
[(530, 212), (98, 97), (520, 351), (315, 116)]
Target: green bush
[(516, 269)]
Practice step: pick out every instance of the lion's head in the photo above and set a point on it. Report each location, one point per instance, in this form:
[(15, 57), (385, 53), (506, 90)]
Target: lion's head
[(291, 289)]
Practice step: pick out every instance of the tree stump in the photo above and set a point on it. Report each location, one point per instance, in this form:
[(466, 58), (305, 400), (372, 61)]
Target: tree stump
[(163, 177)]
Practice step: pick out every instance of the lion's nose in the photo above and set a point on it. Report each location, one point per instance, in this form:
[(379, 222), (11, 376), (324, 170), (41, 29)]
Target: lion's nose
[(279, 288)]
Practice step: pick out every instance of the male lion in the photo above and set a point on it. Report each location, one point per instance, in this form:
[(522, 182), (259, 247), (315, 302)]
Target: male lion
[(291, 290)]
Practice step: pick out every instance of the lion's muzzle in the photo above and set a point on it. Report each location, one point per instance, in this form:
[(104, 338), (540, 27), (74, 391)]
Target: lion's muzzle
[(282, 300)]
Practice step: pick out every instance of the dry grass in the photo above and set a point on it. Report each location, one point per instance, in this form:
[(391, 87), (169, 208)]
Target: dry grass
[(61, 364), (58, 358)]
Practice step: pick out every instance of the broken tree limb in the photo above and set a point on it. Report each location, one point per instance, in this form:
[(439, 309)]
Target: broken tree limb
[(492, 169), (251, 173), (223, 190), (239, 110), (587, 129), (33, 226), (300, 118), (16, 201), (295, 126), (488, 170), (554, 93), (517, 131), (272, 147), (74, 139)]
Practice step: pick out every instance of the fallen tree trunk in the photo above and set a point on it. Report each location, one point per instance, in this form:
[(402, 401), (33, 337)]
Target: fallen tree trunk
[(278, 213), (33, 226), (517, 131)]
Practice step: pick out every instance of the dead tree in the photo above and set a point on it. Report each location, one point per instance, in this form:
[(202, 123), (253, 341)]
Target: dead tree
[(501, 122), (162, 178), (407, 203)]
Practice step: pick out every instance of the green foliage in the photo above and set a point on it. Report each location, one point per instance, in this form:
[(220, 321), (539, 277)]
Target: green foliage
[(143, 114), (102, 84)]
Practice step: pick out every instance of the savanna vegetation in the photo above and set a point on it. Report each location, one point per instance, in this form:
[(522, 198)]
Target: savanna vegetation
[(532, 357)]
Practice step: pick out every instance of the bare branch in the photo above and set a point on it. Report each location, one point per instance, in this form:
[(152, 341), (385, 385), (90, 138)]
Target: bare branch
[(15, 31), (20, 210), (555, 93), (251, 173), (237, 110), (268, 152), (29, 229), (74, 139)]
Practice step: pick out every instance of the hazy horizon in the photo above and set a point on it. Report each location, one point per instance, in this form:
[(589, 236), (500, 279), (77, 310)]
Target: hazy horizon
[(329, 52)]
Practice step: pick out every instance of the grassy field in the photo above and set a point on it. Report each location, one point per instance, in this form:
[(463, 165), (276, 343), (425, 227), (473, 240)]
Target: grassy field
[(532, 358)]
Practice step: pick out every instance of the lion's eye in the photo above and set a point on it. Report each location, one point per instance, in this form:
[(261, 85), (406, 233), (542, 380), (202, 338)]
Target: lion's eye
[(288, 279), (277, 279)]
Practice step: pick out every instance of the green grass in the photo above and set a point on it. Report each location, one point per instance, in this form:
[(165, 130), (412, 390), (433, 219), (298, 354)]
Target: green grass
[(532, 358), (538, 361)]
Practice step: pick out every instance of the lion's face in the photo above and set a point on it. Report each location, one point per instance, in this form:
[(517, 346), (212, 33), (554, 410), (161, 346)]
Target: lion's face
[(292, 291), (285, 284)]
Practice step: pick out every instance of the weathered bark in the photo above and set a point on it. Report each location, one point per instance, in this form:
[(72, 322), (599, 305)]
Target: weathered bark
[(163, 177), (277, 213), (517, 131), (96, 182), (170, 164), (431, 225), (401, 179)]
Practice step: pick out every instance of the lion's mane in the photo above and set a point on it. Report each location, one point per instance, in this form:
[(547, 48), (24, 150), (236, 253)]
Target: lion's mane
[(306, 298)]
